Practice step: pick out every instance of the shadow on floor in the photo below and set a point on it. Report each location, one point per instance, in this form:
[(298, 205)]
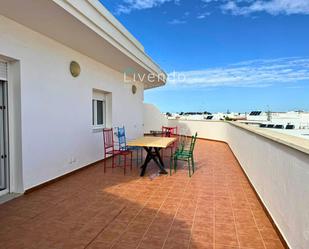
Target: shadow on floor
[(91, 209), (216, 208)]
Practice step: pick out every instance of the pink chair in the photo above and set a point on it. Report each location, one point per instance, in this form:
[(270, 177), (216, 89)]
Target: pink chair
[(170, 132)]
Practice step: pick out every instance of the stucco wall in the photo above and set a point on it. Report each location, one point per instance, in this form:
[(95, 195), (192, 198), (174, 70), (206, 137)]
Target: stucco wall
[(56, 109), (278, 172), (153, 118), (280, 175), (205, 129)]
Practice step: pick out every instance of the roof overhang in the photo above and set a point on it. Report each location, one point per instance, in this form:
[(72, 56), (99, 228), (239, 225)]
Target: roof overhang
[(89, 28)]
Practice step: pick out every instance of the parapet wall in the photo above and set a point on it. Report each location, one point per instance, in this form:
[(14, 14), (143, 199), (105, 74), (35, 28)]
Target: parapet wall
[(276, 164)]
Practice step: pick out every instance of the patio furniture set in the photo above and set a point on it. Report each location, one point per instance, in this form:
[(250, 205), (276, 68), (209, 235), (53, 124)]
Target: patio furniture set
[(167, 140)]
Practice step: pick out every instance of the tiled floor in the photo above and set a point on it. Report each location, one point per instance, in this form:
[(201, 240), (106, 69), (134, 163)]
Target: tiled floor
[(216, 209)]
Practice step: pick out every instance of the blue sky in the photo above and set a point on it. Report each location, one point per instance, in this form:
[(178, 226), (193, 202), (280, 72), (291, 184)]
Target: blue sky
[(239, 55)]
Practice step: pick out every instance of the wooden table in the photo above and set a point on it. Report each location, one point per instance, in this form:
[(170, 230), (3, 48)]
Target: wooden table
[(152, 145)]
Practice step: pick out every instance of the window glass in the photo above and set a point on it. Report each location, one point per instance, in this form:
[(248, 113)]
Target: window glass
[(98, 109), (93, 112), (100, 113)]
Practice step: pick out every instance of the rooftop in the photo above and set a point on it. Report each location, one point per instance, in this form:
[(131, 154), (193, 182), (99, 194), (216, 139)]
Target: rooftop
[(216, 208)]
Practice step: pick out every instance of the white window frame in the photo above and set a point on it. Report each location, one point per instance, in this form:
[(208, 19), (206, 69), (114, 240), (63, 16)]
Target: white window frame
[(98, 96), (3, 70)]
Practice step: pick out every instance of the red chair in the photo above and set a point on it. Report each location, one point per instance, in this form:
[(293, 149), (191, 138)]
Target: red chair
[(170, 132), (109, 150)]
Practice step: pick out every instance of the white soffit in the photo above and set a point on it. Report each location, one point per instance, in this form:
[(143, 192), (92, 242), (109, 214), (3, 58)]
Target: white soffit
[(85, 26)]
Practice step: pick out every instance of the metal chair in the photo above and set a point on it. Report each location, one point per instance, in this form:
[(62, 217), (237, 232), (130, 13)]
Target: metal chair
[(170, 132), (184, 154), (110, 151), (122, 143)]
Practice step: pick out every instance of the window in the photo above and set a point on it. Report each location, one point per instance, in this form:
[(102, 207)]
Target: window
[(98, 110)]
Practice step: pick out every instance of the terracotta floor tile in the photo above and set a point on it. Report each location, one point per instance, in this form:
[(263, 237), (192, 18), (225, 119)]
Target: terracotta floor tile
[(174, 244), (218, 246), (224, 217), (269, 233), (263, 223), (152, 242), (108, 236), (229, 240), (273, 244), (244, 230), (127, 244), (225, 234), (179, 235), (201, 245), (99, 245), (203, 236), (225, 227), (125, 211), (203, 224), (205, 217), (253, 241)]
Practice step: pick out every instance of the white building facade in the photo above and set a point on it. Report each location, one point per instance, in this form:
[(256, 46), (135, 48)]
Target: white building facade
[(52, 121)]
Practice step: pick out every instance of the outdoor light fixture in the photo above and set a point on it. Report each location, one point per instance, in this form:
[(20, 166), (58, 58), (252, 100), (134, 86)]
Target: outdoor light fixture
[(74, 69), (134, 89)]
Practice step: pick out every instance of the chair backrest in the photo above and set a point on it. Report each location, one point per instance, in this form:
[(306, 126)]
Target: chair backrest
[(169, 131), (122, 141), (108, 138), (193, 140)]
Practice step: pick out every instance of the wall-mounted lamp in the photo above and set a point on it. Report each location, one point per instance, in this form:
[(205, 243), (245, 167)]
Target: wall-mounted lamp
[(134, 89), (74, 69)]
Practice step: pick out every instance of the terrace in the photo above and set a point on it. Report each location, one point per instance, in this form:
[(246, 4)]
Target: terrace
[(216, 208), (52, 118)]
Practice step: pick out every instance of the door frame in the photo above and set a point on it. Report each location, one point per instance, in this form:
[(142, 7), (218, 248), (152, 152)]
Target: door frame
[(4, 106)]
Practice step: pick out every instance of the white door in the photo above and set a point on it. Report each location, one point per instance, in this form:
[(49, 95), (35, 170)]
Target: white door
[(4, 170)]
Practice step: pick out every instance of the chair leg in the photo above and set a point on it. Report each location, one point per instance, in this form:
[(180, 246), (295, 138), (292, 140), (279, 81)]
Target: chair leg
[(131, 161), (125, 164), (189, 167), (171, 165), (105, 164), (175, 164), (193, 166)]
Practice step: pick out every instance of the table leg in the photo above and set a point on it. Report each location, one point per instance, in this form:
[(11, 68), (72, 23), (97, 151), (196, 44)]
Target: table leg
[(153, 153), (147, 160), (162, 168)]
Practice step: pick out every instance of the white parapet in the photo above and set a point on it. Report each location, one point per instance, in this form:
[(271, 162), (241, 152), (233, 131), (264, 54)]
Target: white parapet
[(276, 164)]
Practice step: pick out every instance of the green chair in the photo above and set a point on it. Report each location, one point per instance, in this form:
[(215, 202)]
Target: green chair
[(184, 154)]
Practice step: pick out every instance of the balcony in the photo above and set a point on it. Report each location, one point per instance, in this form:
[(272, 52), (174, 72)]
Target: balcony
[(216, 208)]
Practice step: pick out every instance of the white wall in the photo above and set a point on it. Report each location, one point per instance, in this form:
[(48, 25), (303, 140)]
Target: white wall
[(153, 118), (279, 173), (214, 130), (56, 109)]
